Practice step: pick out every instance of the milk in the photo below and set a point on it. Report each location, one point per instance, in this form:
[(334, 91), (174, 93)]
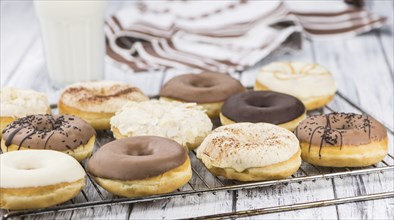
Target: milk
[(73, 37)]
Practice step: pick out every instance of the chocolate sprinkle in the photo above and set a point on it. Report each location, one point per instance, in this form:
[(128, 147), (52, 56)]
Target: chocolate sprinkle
[(55, 131), (339, 129)]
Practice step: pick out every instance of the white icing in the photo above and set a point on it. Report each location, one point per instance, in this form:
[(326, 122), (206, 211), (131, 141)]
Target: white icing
[(247, 145), (302, 80), (103, 88), (182, 122), (33, 168), (20, 103)]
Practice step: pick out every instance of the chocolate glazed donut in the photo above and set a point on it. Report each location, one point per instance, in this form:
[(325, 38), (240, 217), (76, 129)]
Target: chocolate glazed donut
[(342, 139), (208, 90), (65, 133), (55, 132), (205, 87), (263, 106), (136, 158), (142, 165)]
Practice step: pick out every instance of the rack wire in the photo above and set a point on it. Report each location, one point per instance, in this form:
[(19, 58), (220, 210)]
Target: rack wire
[(307, 172)]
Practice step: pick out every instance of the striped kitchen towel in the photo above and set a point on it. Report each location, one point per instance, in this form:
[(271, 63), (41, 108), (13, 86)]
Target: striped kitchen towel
[(225, 36)]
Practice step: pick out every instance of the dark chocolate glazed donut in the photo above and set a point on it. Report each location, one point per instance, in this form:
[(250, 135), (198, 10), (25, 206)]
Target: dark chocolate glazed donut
[(263, 106), (53, 132), (205, 87), (136, 158)]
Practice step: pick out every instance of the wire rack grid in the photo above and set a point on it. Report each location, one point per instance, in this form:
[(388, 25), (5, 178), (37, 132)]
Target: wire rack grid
[(307, 172)]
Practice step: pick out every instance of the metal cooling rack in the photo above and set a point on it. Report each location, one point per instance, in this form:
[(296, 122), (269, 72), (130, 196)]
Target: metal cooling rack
[(307, 172)]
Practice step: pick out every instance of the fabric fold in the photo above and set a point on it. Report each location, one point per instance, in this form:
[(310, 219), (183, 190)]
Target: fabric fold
[(225, 36)]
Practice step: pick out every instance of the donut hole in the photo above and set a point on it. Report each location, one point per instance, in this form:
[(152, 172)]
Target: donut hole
[(201, 84), (140, 152), (342, 127), (28, 166), (257, 103)]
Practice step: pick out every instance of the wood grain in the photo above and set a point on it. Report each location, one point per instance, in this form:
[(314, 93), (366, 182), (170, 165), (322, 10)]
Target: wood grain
[(363, 67), (17, 19)]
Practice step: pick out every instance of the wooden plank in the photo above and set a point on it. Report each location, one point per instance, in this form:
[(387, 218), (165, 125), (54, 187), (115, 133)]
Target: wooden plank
[(359, 66), (224, 202), (385, 35), (365, 184), (18, 31), (293, 193), (190, 206)]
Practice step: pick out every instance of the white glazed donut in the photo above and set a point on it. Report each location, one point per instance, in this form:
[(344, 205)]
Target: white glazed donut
[(18, 103), (185, 123), (32, 179), (311, 83), (251, 152)]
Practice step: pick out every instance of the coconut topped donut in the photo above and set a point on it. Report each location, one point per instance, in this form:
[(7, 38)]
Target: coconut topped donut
[(243, 146), (20, 103), (186, 123), (100, 96)]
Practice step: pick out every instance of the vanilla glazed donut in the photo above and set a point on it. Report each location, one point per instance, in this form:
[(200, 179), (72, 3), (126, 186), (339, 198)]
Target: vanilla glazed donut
[(64, 133), (263, 106), (311, 83), (138, 166), (185, 123), (18, 103), (251, 152), (32, 179), (342, 140), (208, 89), (97, 101)]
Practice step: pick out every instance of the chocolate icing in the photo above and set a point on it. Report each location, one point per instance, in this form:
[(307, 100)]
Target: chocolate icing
[(55, 132), (263, 106), (136, 158), (338, 129), (205, 87)]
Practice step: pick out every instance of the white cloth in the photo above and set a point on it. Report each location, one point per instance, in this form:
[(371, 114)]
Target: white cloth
[(224, 36)]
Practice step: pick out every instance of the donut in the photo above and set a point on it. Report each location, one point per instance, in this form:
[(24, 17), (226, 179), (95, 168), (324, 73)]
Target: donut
[(342, 140), (33, 179), (18, 103), (64, 133), (96, 102), (207, 89), (138, 166), (311, 83), (185, 123), (251, 152), (263, 106)]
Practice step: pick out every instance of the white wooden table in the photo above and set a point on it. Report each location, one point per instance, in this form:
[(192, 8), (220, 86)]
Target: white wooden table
[(363, 67)]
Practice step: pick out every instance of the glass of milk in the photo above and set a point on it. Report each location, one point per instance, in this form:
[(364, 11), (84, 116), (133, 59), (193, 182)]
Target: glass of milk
[(73, 37)]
